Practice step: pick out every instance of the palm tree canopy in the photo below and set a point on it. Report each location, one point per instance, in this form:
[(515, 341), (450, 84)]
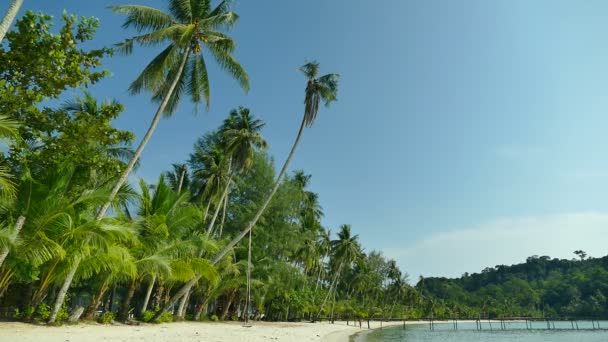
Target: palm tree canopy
[(241, 134), (186, 28), (318, 88), (346, 248)]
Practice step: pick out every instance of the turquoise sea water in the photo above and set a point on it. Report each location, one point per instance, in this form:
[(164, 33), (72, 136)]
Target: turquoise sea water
[(563, 332)]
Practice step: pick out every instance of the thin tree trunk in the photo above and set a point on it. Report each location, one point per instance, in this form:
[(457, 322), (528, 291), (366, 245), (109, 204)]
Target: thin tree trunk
[(206, 212), (96, 301), (182, 305), (221, 201), (181, 181), (224, 215), (144, 306), (163, 105), (123, 315), (242, 234), (228, 304), (248, 299), (63, 291), (331, 286), (201, 309), (18, 226), (9, 17)]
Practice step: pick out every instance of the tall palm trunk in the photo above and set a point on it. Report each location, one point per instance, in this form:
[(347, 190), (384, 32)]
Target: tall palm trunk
[(248, 299), (96, 301), (123, 315), (228, 304), (202, 308), (181, 181), (18, 226), (180, 314), (163, 105), (64, 290), (144, 305), (10, 15), (223, 215), (331, 286), (206, 211), (221, 201), (181, 292)]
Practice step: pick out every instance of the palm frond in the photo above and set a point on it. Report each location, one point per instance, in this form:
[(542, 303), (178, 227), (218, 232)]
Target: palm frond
[(143, 17)]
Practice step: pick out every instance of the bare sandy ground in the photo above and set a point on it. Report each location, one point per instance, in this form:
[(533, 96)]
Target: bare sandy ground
[(183, 332)]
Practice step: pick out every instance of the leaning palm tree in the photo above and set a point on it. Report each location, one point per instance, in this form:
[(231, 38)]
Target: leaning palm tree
[(317, 88), (188, 28), (10, 15)]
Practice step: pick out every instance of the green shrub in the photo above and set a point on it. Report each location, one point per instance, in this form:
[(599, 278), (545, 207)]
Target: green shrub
[(43, 311), (107, 317), (63, 314), (214, 318), (166, 317), (147, 316)]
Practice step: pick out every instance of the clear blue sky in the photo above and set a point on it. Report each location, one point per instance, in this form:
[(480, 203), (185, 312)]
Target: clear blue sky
[(467, 133)]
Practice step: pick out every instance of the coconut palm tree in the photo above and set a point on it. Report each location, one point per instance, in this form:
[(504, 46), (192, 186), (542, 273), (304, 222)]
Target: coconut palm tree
[(241, 136), (10, 15), (346, 249), (211, 177), (187, 29), (179, 179), (317, 88)]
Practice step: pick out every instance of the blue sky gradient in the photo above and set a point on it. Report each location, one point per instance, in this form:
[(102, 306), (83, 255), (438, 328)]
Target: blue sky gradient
[(452, 116)]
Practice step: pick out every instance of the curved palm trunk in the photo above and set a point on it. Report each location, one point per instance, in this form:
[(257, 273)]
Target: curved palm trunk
[(123, 177), (223, 215), (123, 315), (63, 291), (181, 292), (248, 299), (144, 306), (181, 308), (96, 301), (181, 181), (228, 305), (10, 15), (18, 226), (331, 286), (221, 201)]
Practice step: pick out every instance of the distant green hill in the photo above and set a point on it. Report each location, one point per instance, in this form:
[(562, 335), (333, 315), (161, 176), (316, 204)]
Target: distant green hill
[(540, 287)]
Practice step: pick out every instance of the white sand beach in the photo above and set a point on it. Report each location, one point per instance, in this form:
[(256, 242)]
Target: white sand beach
[(183, 332)]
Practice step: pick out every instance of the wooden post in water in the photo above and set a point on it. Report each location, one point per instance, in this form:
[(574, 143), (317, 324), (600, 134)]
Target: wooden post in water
[(553, 323), (572, 324), (380, 324), (368, 323), (576, 322), (403, 324)]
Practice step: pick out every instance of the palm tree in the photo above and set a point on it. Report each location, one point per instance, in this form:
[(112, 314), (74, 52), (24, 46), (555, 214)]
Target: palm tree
[(241, 136), (10, 15), (345, 251), (322, 88), (187, 28), (211, 176), (178, 178)]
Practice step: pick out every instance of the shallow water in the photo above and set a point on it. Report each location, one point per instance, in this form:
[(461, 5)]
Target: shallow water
[(467, 332)]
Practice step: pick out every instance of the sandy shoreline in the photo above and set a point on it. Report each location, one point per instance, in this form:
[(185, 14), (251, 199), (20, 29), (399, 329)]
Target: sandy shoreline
[(193, 332), (182, 332)]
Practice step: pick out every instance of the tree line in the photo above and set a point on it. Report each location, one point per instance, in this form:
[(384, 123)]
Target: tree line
[(222, 235), (541, 287)]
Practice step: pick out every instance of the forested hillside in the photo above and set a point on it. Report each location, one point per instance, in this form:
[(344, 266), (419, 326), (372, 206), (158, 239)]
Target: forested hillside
[(540, 287)]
